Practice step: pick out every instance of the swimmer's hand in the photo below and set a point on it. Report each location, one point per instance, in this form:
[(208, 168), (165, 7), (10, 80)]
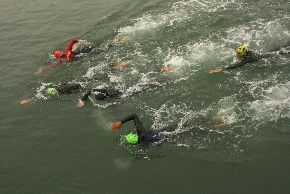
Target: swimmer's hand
[(121, 64), (166, 69), (26, 101), (116, 125), (80, 103), (122, 39), (215, 71), (83, 42)]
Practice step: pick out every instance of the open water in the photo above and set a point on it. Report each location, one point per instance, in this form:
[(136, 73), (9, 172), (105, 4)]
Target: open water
[(50, 146)]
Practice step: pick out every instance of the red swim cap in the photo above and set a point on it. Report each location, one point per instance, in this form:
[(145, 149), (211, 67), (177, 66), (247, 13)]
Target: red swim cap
[(57, 54)]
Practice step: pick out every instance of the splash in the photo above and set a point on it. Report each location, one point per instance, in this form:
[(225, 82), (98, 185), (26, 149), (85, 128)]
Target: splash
[(262, 35), (274, 105), (179, 12), (39, 91)]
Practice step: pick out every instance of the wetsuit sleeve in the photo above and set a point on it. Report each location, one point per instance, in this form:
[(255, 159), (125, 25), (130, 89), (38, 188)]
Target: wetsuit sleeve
[(106, 93), (86, 95), (69, 88), (236, 65), (69, 46), (102, 94), (113, 93), (251, 57), (100, 90), (138, 124)]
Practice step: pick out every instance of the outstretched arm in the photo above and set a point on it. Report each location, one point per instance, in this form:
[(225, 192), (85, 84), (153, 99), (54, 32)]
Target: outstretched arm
[(69, 46), (236, 65), (71, 43), (50, 67), (138, 124), (121, 64), (26, 101), (215, 71)]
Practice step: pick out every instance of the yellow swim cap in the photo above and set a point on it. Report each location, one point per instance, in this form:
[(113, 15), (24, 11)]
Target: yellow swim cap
[(242, 50)]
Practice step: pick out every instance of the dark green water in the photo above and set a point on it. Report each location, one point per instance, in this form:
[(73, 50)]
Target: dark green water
[(50, 146)]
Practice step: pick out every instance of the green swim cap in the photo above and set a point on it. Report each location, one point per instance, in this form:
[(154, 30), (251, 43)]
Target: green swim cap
[(132, 138), (51, 91)]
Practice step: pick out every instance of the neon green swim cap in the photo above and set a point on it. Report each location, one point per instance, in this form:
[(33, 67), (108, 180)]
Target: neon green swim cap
[(51, 91), (132, 138), (243, 50)]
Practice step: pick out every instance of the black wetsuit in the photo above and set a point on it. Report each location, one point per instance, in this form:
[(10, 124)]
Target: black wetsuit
[(147, 135), (96, 50), (69, 88), (102, 94), (250, 57)]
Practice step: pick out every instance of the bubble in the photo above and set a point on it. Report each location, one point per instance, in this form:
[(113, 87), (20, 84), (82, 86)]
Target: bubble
[(122, 163)]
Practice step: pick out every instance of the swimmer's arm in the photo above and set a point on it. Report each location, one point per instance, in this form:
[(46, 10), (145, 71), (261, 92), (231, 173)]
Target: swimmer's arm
[(130, 117), (138, 124), (49, 67), (69, 46), (27, 101), (215, 71), (81, 101), (121, 64), (236, 65)]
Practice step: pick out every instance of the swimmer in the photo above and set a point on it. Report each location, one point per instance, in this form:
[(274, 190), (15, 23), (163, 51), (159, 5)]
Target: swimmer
[(244, 55), (54, 91), (69, 54), (143, 135), (99, 94)]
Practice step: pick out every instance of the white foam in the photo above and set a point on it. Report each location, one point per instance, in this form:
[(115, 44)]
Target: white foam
[(196, 56), (179, 12), (227, 110), (122, 163), (274, 105), (39, 91), (94, 70), (260, 34), (144, 83)]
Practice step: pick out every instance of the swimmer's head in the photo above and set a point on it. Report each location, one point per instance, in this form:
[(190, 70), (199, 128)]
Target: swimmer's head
[(132, 138), (242, 50), (51, 91), (58, 54)]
